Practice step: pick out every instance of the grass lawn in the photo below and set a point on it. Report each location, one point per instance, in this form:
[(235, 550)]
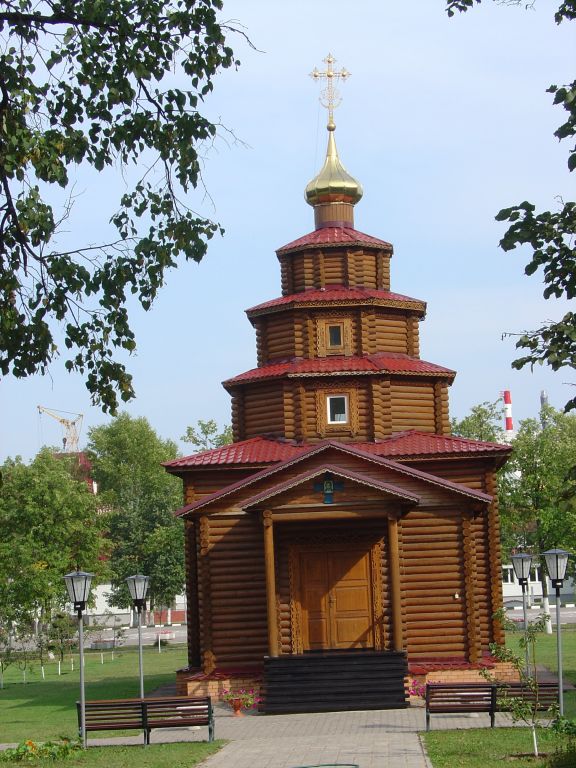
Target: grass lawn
[(489, 748), (154, 756), (46, 709), (546, 654)]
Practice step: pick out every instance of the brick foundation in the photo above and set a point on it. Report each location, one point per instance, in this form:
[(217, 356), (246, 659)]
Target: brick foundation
[(500, 671), (195, 683)]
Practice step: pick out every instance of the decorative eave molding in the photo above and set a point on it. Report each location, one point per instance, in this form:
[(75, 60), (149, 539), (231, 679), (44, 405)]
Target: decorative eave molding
[(345, 245), (446, 376), (418, 307)]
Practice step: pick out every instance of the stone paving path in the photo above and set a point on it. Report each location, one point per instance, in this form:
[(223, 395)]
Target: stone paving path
[(370, 739)]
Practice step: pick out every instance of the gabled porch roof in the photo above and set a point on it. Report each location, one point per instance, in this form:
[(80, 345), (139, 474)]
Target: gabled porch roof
[(346, 450), (399, 494)]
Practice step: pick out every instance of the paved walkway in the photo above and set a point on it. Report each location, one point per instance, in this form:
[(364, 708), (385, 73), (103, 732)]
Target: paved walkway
[(371, 739)]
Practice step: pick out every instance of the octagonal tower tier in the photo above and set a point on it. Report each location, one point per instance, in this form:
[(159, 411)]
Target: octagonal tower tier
[(338, 353)]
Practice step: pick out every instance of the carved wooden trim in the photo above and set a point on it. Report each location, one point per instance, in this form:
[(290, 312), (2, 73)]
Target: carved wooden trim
[(301, 542), (323, 348), (377, 590), (323, 428), (295, 608), (395, 588), (272, 606)]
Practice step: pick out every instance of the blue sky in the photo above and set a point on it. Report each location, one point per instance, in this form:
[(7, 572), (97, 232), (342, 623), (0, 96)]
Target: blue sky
[(444, 122)]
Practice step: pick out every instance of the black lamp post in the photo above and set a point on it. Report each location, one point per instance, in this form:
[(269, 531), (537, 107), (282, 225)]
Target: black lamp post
[(78, 585), (138, 586), (522, 563), (556, 562)]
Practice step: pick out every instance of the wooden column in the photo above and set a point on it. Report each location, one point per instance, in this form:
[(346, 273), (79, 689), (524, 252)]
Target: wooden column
[(394, 560), (270, 583)]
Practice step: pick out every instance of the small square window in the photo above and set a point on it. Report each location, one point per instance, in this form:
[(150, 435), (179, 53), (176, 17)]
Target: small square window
[(335, 336), (337, 409)]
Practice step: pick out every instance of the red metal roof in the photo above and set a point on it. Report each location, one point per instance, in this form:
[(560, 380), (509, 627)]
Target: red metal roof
[(312, 450), (338, 293), (257, 450), (413, 443), (332, 237), (409, 444), (341, 365)]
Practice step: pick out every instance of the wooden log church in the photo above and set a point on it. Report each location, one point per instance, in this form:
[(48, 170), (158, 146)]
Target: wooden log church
[(344, 538)]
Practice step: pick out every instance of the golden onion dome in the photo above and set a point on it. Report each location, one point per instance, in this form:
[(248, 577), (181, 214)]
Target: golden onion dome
[(333, 183)]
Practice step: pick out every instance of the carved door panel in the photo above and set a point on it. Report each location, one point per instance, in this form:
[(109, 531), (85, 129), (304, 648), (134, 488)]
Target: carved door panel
[(335, 599)]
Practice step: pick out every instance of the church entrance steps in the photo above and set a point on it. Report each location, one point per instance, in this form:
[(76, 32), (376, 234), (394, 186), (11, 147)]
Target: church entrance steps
[(332, 681)]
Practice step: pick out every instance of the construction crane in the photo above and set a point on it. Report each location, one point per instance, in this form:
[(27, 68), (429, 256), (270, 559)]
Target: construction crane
[(71, 427)]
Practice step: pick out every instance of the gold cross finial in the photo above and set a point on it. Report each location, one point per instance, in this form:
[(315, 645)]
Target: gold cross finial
[(329, 97)]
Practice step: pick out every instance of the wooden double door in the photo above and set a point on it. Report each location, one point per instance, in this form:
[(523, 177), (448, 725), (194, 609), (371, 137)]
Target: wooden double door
[(336, 597)]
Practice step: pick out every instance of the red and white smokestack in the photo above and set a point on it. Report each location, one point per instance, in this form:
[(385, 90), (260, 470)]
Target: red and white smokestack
[(508, 423)]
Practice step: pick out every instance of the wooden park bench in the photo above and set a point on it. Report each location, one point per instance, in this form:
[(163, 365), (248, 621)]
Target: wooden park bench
[(547, 695), (456, 698), (146, 714)]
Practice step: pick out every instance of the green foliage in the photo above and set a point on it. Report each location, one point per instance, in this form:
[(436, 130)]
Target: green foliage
[(48, 526), (538, 490), (489, 748), (140, 498), (550, 235), (207, 436), (62, 634), (30, 751), (177, 755), (521, 709), (94, 83), (484, 422)]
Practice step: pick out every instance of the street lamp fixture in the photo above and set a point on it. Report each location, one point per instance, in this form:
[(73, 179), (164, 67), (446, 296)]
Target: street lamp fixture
[(522, 562), (556, 562), (138, 586), (78, 585)]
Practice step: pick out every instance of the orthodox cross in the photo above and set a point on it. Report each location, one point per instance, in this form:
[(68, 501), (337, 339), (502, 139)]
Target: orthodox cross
[(327, 486), (329, 97)]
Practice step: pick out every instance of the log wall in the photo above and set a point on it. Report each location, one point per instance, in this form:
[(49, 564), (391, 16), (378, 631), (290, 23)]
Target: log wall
[(443, 572), (263, 410), (379, 407), (390, 333), (433, 589), (334, 266), (237, 591), (372, 329), (206, 480), (412, 405)]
